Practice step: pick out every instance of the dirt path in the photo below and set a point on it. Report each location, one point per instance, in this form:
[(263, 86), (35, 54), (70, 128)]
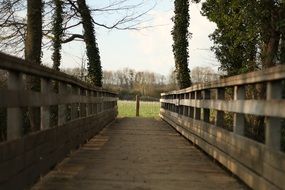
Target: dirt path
[(139, 154)]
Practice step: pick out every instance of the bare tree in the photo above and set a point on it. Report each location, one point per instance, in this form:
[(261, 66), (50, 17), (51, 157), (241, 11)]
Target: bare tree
[(13, 25), (203, 74), (13, 21), (59, 28)]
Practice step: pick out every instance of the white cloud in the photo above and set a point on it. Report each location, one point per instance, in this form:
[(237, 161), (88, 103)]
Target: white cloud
[(155, 43)]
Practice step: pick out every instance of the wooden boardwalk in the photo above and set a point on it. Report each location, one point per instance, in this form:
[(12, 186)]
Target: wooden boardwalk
[(141, 154)]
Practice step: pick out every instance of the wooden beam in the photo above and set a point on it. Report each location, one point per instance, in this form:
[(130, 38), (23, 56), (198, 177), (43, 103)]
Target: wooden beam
[(270, 74), (273, 108), (239, 120), (15, 114), (273, 124)]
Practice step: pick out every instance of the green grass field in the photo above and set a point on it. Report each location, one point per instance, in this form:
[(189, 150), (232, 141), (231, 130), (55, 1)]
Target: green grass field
[(147, 109)]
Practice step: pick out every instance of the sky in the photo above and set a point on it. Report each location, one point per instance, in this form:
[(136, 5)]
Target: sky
[(149, 49)]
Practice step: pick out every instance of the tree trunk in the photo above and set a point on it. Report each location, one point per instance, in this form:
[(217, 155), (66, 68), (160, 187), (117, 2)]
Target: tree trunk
[(33, 41), (271, 47), (33, 45), (57, 33), (94, 64), (282, 50)]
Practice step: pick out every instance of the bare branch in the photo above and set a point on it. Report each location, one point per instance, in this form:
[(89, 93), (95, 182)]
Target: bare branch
[(71, 38)]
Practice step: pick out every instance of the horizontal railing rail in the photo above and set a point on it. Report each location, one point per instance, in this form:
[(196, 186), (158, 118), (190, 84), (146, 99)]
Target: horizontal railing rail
[(11, 63), (202, 111), (271, 74), (16, 96), (40, 126)]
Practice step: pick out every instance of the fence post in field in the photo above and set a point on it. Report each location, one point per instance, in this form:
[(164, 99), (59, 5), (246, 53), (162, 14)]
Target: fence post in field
[(137, 106)]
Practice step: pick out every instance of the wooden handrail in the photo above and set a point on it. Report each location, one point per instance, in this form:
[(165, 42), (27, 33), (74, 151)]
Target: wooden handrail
[(260, 165), (68, 113), (71, 91), (11, 63), (271, 74)]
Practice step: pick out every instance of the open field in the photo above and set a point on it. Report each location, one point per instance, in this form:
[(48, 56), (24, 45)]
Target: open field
[(147, 109)]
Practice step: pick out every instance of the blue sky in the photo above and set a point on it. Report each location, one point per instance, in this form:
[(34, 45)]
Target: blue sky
[(148, 49)]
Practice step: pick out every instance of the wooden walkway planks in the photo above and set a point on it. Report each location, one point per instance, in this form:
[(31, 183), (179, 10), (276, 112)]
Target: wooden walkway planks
[(142, 154)]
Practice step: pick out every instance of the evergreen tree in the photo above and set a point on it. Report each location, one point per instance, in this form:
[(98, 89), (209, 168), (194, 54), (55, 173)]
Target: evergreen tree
[(57, 33), (94, 62), (180, 36)]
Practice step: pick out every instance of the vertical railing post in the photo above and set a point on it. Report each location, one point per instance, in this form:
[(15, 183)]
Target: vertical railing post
[(92, 102), (14, 115), (187, 97), (192, 96), (96, 104), (85, 94), (174, 105), (273, 124), (102, 101), (206, 111), (99, 102), (137, 105), (181, 107), (183, 97), (220, 95), (88, 104), (83, 104), (74, 106), (197, 111), (239, 121), (185, 110), (46, 88), (62, 111)]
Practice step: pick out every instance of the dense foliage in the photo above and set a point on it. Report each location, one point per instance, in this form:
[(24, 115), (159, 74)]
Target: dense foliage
[(180, 36), (249, 34)]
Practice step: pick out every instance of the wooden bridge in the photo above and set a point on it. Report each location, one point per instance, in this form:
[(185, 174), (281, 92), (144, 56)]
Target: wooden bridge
[(86, 147)]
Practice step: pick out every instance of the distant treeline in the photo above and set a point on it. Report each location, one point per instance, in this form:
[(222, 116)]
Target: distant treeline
[(129, 82)]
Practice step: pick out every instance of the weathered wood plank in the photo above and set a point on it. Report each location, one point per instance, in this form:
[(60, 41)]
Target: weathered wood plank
[(273, 125), (260, 161), (138, 153), (22, 98), (24, 160), (270, 74), (14, 115), (15, 64), (249, 177), (273, 108)]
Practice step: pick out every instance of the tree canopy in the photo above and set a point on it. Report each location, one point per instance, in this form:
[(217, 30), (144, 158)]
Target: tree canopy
[(249, 34)]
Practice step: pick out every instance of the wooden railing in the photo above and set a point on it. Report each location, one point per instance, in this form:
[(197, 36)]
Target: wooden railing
[(261, 165), (70, 112)]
